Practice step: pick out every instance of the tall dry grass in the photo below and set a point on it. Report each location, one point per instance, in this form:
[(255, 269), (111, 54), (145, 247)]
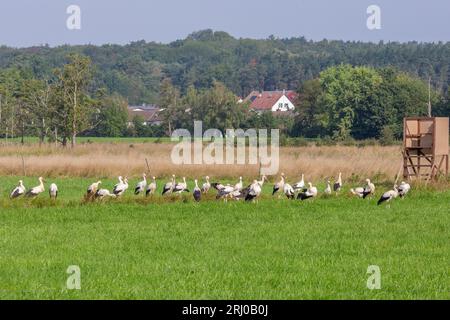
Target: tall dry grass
[(109, 160)]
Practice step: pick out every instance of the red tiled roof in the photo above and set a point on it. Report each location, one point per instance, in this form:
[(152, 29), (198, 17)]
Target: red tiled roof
[(265, 100)]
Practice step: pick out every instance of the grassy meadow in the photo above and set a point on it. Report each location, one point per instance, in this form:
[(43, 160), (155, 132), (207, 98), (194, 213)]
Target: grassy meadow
[(173, 248)]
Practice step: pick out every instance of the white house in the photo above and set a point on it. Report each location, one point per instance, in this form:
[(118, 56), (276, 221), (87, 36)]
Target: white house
[(275, 101)]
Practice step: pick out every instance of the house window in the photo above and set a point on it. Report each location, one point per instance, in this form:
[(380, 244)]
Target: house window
[(286, 105), (280, 106)]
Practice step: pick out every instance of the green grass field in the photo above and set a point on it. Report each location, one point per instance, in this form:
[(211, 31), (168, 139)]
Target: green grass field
[(175, 249)]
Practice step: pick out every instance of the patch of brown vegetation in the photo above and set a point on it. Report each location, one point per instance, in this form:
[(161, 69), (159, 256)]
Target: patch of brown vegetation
[(109, 160)]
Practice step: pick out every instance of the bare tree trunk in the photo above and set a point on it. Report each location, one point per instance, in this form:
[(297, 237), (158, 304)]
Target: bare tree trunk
[(42, 137), (12, 122), (23, 133), (73, 140), (74, 120)]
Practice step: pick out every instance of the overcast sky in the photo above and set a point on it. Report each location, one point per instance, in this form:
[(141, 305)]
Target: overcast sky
[(33, 22)]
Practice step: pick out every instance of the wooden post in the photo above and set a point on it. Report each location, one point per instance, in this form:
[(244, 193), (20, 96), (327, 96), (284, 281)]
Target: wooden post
[(148, 167), (260, 167), (23, 166)]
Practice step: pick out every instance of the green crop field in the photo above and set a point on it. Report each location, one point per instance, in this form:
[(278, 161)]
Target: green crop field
[(174, 248)]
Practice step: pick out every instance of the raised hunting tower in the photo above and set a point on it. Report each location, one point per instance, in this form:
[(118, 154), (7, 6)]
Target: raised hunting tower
[(425, 147)]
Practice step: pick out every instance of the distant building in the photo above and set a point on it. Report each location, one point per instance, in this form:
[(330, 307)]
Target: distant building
[(275, 101), (149, 113)]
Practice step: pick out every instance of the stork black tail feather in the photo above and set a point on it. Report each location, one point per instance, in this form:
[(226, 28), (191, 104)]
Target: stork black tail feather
[(249, 197), (303, 196)]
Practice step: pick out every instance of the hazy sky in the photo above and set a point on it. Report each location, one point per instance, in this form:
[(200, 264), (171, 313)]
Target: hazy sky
[(34, 22)]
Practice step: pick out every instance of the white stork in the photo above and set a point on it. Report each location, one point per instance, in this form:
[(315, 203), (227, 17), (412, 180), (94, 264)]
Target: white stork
[(388, 196), (279, 185), (239, 185), (225, 192), (369, 189), (181, 187), (363, 192), (151, 188), (237, 194), (254, 190), (168, 187), (92, 189), (53, 191), (338, 184), (140, 187), (403, 189), (120, 188), (197, 192), (217, 185), (311, 192), (299, 185), (359, 192), (103, 193), (289, 191), (18, 191), (34, 192), (327, 190), (206, 186), (261, 182)]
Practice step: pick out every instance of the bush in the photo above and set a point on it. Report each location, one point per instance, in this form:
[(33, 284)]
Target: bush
[(349, 142), (283, 140), (387, 137), (366, 143), (326, 141), (299, 142)]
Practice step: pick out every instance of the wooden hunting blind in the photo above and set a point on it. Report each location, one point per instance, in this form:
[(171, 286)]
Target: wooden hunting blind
[(425, 147)]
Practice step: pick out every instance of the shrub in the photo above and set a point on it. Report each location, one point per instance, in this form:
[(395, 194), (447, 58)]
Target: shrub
[(387, 136), (367, 142), (326, 141), (349, 142), (299, 142)]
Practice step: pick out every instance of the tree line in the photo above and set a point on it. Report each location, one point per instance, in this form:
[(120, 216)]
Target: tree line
[(341, 101), (135, 70), (344, 102), (58, 107), (363, 102)]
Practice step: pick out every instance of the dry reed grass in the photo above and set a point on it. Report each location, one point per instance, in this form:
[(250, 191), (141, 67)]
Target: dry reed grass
[(110, 160)]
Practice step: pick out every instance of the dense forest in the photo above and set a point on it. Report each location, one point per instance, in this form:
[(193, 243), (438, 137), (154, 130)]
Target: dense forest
[(135, 70), (346, 90)]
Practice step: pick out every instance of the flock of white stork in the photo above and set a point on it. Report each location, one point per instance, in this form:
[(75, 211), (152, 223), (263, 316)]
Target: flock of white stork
[(299, 190)]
